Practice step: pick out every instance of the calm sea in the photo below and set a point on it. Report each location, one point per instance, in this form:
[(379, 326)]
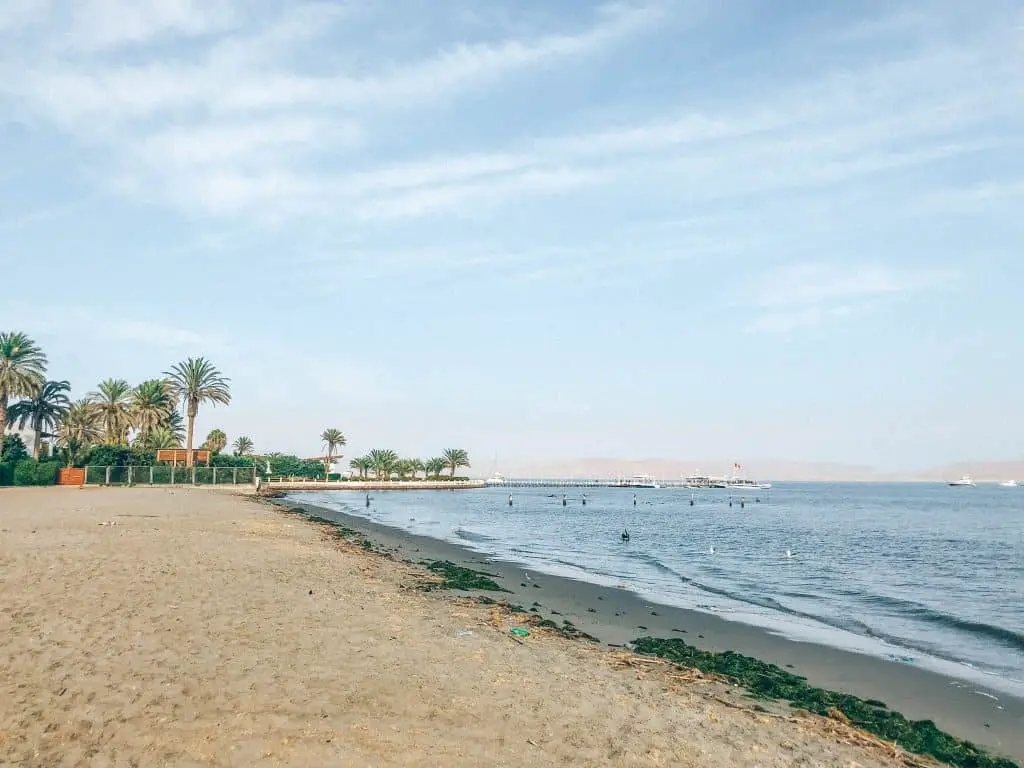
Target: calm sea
[(925, 574)]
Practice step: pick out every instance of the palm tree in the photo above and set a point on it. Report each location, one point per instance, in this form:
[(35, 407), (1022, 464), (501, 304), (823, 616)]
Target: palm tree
[(151, 405), (383, 462), (332, 440), (176, 424), (362, 464), (113, 399), (455, 458), (404, 468), (160, 439), (22, 370), (242, 446), (418, 466), (79, 429), (196, 381), (42, 412), (434, 466), (216, 440)]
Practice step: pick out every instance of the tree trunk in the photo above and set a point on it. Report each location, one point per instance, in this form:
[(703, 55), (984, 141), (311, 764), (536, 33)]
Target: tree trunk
[(188, 443), (3, 416), (37, 438)]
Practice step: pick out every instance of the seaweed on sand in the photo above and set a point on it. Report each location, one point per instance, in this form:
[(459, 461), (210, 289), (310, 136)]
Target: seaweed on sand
[(767, 681), (456, 577)]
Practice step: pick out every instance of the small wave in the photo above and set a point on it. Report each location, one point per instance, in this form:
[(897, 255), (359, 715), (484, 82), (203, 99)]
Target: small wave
[(462, 533), (928, 615)]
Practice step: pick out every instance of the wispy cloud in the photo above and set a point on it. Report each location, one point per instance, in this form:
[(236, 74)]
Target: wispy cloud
[(104, 326), (803, 296)]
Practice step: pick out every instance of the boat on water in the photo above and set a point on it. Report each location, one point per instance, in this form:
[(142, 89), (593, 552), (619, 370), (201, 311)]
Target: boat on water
[(496, 479), (743, 484), (698, 481), (964, 482), (637, 481), (1009, 484), (740, 482)]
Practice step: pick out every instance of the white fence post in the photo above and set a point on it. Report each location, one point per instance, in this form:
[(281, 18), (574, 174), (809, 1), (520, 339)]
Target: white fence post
[(108, 476)]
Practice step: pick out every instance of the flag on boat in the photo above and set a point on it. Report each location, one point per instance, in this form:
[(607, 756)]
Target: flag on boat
[(736, 466)]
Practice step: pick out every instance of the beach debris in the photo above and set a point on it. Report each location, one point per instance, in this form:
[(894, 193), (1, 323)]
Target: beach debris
[(464, 633), (654, 613), (520, 632), (591, 610), (770, 682)]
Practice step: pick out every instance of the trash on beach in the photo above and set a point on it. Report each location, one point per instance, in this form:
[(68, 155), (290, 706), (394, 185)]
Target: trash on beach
[(464, 633), (520, 632)]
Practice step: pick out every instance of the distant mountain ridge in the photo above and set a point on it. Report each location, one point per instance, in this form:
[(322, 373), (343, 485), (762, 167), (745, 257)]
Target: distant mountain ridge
[(772, 470)]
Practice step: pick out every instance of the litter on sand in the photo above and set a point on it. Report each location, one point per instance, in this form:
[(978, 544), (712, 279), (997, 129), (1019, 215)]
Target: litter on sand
[(520, 632)]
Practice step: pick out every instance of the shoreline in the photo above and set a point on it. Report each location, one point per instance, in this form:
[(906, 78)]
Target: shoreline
[(965, 709)]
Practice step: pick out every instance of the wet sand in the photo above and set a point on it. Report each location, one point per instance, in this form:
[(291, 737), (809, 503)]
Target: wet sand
[(967, 710)]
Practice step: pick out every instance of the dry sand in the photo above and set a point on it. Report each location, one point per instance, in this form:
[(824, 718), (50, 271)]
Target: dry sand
[(209, 629)]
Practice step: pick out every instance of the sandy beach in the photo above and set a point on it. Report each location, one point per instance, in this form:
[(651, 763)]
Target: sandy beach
[(192, 627)]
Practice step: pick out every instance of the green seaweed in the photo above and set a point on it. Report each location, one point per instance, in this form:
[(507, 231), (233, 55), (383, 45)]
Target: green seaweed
[(768, 681), (457, 577)]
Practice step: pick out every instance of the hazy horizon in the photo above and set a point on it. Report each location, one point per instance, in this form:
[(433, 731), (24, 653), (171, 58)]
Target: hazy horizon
[(661, 228)]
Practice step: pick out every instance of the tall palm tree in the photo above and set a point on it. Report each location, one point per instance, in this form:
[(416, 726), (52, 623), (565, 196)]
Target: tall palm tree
[(195, 381), (113, 400), (332, 440), (455, 458), (22, 370), (42, 412), (417, 466), (216, 440), (383, 462), (79, 429), (362, 464), (151, 405), (434, 466), (243, 446)]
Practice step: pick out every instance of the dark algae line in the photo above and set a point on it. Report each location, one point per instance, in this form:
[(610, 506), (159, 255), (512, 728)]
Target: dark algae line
[(456, 577), (767, 681)]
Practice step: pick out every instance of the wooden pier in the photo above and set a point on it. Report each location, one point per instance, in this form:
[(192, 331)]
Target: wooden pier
[(306, 484)]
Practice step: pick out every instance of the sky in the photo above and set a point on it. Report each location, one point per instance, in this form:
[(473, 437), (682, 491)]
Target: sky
[(671, 229)]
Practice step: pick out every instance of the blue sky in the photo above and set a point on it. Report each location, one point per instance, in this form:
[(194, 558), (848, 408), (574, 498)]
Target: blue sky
[(679, 229)]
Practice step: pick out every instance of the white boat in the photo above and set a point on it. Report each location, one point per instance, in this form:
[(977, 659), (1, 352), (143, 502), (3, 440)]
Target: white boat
[(741, 483), (964, 482), (637, 481), (496, 479), (1009, 484)]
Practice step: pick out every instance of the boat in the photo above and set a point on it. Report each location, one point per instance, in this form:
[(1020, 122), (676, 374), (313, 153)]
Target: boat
[(738, 482), (1009, 484), (964, 482), (496, 479), (697, 481), (741, 483), (637, 481)]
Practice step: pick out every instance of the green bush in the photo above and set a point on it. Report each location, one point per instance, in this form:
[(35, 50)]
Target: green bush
[(6, 474), (119, 456), (31, 472), (12, 449)]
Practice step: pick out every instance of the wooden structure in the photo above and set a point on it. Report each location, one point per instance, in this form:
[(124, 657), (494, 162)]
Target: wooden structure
[(180, 456), (70, 476)]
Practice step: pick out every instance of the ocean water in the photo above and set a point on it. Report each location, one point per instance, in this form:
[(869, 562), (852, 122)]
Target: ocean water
[(921, 573)]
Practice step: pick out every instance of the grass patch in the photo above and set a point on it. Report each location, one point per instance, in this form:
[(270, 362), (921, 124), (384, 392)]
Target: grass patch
[(767, 681), (456, 577)]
